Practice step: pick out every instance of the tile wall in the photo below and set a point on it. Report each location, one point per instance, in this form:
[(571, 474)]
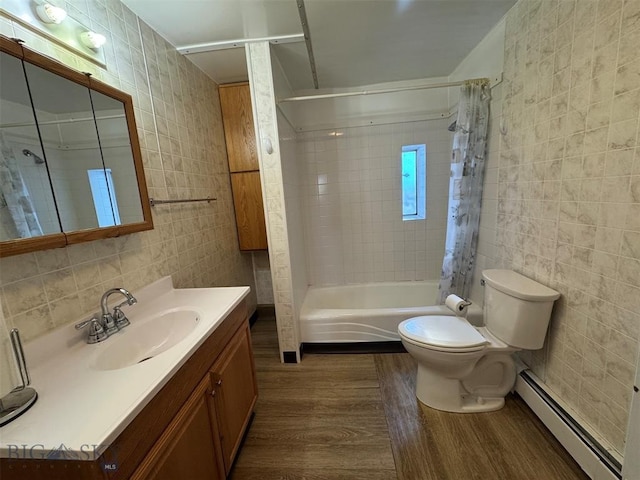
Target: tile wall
[(352, 203), (181, 134), (262, 274), (293, 183), (567, 173)]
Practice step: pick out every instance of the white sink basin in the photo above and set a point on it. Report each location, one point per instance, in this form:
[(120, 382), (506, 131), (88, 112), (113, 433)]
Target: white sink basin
[(146, 338)]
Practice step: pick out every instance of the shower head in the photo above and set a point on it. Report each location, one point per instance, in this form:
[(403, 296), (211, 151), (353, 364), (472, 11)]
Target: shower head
[(36, 158)]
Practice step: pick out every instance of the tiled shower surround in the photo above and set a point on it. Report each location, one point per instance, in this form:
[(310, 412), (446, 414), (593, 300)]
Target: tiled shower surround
[(567, 167), (180, 128), (352, 203)]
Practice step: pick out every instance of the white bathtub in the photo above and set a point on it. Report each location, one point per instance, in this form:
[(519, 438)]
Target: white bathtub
[(365, 313)]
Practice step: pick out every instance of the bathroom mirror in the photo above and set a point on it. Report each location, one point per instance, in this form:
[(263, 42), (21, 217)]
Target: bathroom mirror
[(111, 123), (24, 181), (70, 168)]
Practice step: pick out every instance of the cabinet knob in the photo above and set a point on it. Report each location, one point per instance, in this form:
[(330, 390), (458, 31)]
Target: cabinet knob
[(213, 393), (219, 382)]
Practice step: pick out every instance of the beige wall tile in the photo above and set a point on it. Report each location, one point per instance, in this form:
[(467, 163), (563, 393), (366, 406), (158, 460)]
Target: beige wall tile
[(634, 188), (613, 434), (59, 284), (18, 268), (51, 260), (631, 245), (24, 295), (593, 218), (627, 77), (33, 322)]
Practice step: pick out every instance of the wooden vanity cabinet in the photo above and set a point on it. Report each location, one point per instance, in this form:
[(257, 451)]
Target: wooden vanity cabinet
[(191, 429), (203, 439), (240, 139), (190, 446), (234, 400)]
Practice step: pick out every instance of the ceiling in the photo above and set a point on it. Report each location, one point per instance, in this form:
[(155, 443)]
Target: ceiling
[(354, 42)]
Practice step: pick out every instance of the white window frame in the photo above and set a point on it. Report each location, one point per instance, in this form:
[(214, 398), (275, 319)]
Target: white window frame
[(421, 181)]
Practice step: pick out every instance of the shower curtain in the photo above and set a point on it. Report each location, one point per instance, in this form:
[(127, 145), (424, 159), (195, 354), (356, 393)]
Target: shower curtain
[(465, 189), (17, 214)]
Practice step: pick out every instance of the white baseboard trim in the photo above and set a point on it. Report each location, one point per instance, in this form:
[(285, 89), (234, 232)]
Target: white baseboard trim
[(572, 442)]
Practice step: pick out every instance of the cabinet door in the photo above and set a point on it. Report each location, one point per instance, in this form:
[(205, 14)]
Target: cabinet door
[(235, 392), (239, 131), (247, 200), (190, 446)]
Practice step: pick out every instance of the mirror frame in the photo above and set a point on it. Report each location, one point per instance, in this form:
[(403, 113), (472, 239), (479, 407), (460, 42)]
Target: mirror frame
[(57, 240)]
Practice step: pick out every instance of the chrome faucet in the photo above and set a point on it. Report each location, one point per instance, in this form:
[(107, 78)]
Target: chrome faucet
[(117, 320), (109, 323)]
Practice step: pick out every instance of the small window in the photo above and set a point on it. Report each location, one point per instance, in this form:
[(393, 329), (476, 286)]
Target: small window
[(414, 182), (104, 199)]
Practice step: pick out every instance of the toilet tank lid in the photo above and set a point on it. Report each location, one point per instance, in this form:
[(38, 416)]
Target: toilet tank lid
[(519, 286)]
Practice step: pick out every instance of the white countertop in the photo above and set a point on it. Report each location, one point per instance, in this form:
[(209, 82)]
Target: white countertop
[(80, 410)]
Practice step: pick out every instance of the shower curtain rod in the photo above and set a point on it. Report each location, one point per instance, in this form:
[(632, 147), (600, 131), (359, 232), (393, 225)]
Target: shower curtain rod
[(373, 92)]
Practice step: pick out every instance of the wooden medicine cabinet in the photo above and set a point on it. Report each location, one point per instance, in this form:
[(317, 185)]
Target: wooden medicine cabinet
[(70, 163)]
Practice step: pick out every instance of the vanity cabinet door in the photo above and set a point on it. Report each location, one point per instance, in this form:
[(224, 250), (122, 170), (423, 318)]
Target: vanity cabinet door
[(190, 446), (235, 392)]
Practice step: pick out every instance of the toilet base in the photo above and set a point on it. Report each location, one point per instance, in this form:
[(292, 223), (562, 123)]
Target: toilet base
[(448, 394)]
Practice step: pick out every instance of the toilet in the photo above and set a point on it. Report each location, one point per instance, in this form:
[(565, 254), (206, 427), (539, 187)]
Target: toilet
[(466, 369)]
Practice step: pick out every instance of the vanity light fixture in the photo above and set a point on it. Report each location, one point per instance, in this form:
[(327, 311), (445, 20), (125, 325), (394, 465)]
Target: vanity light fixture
[(92, 39), (51, 14), (49, 20)]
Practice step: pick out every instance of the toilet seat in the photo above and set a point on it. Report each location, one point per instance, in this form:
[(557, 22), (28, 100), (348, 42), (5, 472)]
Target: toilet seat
[(442, 333)]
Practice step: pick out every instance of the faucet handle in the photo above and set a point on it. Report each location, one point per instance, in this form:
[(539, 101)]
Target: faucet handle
[(120, 318), (109, 324), (96, 332)]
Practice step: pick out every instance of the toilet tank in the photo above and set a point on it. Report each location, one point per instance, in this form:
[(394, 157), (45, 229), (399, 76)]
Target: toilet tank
[(517, 309)]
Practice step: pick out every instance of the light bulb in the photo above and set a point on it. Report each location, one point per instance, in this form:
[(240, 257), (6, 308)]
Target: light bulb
[(92, 39), (50, 14)]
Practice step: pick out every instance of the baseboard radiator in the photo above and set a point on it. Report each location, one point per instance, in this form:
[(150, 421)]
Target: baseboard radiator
[(592, 457)]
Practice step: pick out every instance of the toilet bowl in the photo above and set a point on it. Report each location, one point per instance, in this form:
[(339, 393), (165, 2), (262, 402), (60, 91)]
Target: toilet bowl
[(465, 369), (456, 375)]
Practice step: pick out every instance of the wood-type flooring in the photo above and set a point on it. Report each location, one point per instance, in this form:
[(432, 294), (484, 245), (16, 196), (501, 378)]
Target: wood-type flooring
[(356, 417)]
